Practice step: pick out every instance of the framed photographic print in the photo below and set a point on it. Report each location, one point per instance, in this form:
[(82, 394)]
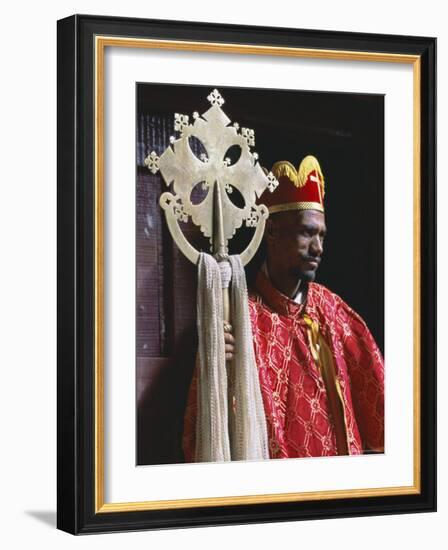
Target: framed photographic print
[(246, 274)]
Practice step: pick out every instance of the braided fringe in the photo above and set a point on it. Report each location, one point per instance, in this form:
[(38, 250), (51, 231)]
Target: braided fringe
[(249, 437), (212, 435), (227, 429)]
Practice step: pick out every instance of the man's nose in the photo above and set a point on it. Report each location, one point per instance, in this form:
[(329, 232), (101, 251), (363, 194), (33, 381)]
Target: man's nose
[(316, 245)]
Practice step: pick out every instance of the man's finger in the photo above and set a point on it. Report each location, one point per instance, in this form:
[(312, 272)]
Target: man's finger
[(228, 338)]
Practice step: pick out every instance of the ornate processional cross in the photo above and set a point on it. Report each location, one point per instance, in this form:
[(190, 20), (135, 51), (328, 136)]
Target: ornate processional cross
[(216, 215)]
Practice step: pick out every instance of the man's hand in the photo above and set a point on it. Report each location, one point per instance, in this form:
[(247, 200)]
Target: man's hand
[(229, 341)]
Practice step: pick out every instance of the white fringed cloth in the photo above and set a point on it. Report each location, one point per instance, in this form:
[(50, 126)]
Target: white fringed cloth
[(231, 423)]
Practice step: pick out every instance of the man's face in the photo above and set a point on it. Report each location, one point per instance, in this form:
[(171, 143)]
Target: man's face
[(295, 243)]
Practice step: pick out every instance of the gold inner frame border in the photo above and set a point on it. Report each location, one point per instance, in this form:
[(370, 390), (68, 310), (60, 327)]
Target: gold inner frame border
[(100, 44)]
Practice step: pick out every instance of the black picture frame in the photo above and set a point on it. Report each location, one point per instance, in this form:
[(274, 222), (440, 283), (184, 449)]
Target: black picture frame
[(79, 508)]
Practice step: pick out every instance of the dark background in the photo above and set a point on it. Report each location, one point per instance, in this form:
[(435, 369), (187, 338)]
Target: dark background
[(346, 133)]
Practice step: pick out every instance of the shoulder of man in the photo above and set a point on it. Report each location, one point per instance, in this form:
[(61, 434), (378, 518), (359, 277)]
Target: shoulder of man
[(330, 304), (255, 300), (322, 296)]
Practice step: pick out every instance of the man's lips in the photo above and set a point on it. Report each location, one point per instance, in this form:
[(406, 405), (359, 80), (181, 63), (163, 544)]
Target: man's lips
[(313, 262)]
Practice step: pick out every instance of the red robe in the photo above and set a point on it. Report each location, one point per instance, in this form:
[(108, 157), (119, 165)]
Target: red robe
[(321, 376)]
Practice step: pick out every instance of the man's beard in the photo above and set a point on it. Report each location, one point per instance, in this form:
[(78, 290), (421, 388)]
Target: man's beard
[(305, 276)]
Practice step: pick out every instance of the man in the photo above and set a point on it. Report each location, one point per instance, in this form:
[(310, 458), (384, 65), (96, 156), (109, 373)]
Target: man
[(321, 373)]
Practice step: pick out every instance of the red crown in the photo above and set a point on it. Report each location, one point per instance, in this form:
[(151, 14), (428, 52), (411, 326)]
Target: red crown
[(302, 189)]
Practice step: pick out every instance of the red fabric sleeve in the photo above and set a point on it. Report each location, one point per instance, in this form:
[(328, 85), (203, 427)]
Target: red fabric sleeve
[(366, 371)]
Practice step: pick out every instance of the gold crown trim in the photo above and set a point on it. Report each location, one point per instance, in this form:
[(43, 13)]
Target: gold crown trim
[(296, 206), (308, 165), (285, 168)]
